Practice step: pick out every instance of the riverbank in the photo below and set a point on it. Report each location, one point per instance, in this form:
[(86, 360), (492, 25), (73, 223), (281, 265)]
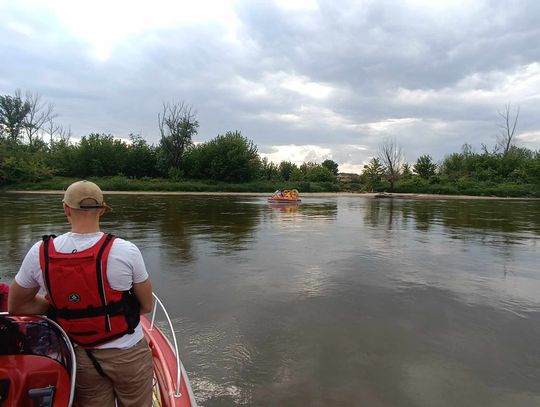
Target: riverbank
[(122, 184), (306, 194)]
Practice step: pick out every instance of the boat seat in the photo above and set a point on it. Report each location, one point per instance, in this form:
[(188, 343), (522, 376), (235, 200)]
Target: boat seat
[(31, 380)]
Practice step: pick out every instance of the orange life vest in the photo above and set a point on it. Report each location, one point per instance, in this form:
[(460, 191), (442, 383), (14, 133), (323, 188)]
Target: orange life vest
[(80, 297)]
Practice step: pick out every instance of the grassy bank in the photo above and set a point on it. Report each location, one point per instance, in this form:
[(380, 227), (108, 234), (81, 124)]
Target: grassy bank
[(120, 183), (503, 189)]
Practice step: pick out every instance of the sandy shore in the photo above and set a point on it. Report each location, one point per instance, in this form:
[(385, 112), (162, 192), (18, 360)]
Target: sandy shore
[(303, 194)]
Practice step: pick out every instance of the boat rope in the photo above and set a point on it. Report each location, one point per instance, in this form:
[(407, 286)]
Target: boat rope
[(95, 362)]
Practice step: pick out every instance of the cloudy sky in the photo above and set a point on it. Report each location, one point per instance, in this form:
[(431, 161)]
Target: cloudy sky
[(305, 80)]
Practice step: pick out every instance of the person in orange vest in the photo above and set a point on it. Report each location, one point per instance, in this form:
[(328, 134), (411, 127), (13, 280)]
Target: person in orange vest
[(96, 287)]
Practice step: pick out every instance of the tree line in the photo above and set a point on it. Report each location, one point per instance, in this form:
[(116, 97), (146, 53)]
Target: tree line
[(504, 170), (34, 148)]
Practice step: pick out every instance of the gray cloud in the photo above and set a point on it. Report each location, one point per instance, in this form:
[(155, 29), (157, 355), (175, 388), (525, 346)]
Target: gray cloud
[(344, 75)]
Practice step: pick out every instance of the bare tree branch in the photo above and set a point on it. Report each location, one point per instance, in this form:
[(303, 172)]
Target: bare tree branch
[(38, 116), (51, 129), (506, 138), (64, 134), (54, 130)]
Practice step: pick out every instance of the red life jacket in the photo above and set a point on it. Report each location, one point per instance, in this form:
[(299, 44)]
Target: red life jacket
[(80, 297)]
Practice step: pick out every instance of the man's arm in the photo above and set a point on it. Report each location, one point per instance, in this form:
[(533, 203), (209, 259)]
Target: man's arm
[(143, 292), (25, 301)]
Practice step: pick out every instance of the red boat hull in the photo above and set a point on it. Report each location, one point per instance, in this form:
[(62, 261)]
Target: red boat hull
[(284, 200), (165, 368)]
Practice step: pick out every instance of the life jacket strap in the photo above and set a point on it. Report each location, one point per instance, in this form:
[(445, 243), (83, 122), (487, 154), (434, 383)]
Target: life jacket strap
[(113, 309), (99, 275), (46, 242)]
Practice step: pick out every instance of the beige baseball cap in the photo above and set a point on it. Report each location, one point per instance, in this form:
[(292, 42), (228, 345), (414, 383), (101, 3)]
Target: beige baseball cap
[(85, 191)]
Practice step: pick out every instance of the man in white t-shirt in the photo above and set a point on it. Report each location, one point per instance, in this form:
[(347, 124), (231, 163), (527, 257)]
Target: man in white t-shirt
[(88, 269)]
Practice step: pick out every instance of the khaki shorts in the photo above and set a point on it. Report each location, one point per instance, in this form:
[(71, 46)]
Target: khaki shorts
[(129, 377)]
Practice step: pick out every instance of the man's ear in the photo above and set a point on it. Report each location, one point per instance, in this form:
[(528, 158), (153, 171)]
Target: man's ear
[(67, 210)]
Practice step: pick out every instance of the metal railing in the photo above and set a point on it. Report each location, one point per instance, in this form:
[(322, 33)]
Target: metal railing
[(175, 348)]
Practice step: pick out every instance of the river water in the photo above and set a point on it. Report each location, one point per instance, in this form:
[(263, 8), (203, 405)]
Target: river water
[(350, 301)]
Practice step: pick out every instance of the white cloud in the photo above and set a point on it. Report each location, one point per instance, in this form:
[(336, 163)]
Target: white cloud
[(22, 28), (105, 24), (298, 154), (277, 86), (295, 5), (389, 125), (350, 158), (246, 88), (304, 86), (530, 137), (358, 147), (288, 117), (352, 167)]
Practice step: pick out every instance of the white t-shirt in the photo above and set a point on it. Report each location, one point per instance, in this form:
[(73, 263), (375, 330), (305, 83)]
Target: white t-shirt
[(125, 266)]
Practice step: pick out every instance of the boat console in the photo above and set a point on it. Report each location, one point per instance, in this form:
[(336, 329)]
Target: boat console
[(37, 363)]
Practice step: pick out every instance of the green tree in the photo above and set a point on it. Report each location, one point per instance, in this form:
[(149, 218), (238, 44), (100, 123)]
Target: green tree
[(332, 166), (453, 166), (100, 155), (316, 173), (230, 158), (19, 164), (425, 167), (531, 169), (269, 170), (406, 171), (142, 158), (63, 157), (13, 111), (286, 170), (458, 165), (373, 174)]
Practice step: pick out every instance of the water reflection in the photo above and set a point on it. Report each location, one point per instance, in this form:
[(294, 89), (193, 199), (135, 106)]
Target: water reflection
[(225, 223), (460, 218), (320, 210), (284, 207), (383, 213), (315, 209), (23, 220)]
